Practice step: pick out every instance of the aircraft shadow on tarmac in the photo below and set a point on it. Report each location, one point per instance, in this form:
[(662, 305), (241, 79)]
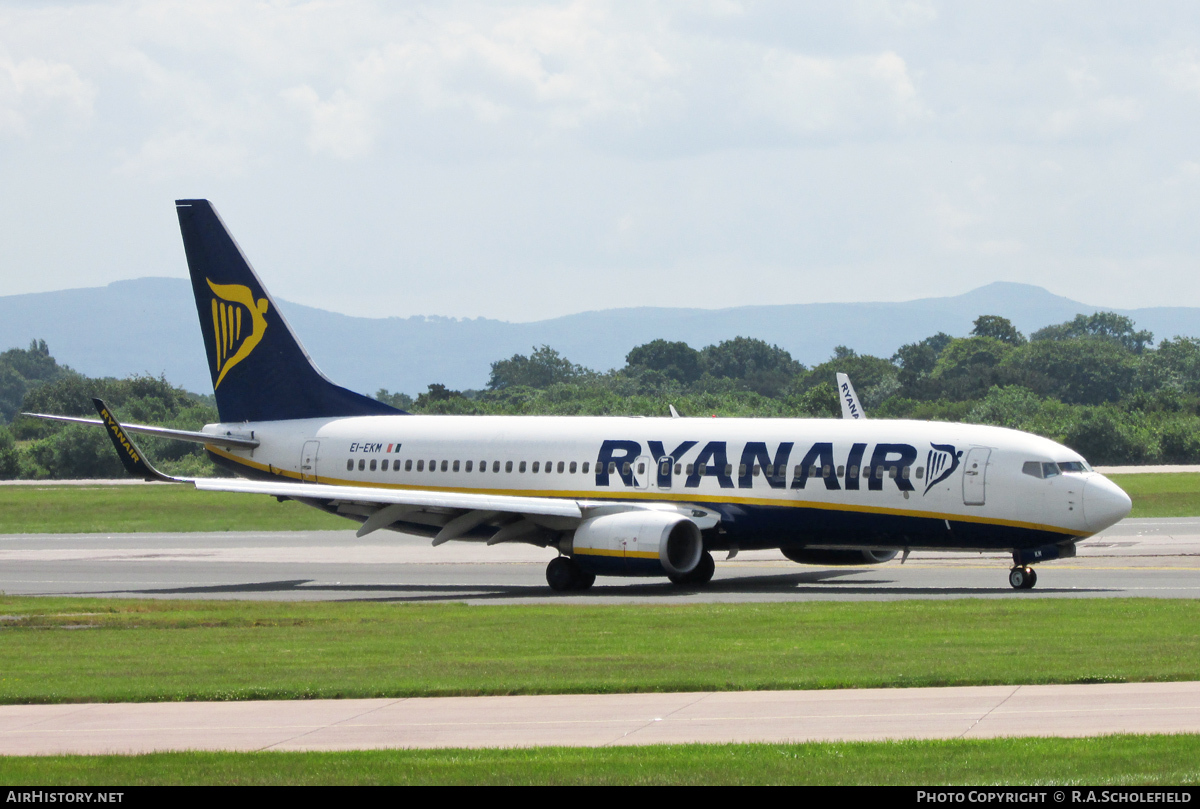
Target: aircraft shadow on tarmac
[(807, 583)]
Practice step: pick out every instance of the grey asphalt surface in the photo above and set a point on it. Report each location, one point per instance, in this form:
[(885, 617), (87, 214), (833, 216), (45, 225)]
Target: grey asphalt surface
[(1147, 557), (600, 720), (1157, 557)]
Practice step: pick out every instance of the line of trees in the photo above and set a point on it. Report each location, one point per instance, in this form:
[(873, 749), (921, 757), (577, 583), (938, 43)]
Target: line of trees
[(31, 380), (1095, 383)]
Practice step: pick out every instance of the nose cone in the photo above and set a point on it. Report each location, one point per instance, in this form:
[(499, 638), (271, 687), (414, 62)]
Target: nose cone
[(1104, 503)]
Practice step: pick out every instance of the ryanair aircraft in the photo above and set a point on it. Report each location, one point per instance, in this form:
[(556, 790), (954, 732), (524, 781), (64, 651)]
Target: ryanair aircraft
[(612, 496)]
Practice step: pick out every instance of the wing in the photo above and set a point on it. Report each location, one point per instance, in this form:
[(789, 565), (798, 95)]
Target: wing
[(491, 518), (443, 516), (851, 408)]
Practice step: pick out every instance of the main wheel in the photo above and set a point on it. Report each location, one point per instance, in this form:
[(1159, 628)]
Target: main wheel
[(1016, 577), (1030, 577), (702, 573), (561, 573)]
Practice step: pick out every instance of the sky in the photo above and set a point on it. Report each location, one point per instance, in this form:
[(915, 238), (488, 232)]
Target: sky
[(521, 161)]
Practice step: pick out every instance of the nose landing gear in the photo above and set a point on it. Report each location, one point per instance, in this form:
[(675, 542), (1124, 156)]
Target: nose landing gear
[(1022, 578)]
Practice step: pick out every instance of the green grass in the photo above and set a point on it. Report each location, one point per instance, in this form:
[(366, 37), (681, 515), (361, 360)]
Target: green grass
[(1166, 494), (65, 650), (1105, 760), (127, 509)]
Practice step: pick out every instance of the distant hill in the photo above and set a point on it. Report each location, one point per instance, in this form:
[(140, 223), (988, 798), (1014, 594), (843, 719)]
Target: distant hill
[(149, 325)]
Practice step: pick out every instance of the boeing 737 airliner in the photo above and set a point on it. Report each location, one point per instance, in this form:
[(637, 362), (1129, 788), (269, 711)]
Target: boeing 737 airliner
[(612, 496)]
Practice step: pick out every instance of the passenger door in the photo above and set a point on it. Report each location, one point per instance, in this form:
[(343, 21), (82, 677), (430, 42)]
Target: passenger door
[(308, 462), (975, 476)]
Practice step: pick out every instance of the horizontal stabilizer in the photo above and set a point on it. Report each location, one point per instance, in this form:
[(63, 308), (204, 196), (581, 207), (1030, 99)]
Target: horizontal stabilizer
[(241, 442)]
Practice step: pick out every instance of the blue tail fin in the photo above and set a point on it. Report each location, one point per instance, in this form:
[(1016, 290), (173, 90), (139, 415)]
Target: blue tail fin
[(260, 372)]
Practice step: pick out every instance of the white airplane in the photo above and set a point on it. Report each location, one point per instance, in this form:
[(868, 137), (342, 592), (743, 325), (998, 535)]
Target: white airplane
[(612, 496)]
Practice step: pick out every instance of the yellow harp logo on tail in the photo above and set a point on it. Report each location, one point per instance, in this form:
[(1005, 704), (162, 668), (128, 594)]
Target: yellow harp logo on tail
[(238, 324)]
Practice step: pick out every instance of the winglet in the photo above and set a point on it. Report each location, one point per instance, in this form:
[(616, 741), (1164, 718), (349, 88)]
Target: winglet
[(132, 459), (851, 409)]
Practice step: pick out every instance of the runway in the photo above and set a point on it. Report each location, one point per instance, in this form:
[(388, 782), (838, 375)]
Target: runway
[(1148, 557), (601, 720)]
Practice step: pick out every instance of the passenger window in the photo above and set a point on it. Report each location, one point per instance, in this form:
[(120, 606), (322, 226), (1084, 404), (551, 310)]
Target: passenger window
[(521, 468), (496, 466), (625, 468), (572, 467), (825, 471), (560, 467), (728, 469), (455, 466), (420, 466), (678, 468), (433, 466), (853, 472), (797, 473), (642, 468), (549, 467), (689, 469), (361, 464), (1033, 469), (507, 466), (612, 467), (742, 470), (350, 465), (408, 465), (586, 464), (892, 472), (470, 466), (920, 472), (904, 473), (444, 464), (841, 472), (814, 471), (373, 464), (535, 466)]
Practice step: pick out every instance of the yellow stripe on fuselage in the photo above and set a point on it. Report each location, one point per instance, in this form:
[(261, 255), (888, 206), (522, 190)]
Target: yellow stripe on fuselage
[(657, 496)]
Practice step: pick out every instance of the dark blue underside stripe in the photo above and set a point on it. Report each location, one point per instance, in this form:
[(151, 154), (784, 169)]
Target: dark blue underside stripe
[(756, 527)]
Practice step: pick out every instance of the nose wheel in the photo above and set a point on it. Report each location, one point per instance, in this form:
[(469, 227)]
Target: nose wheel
[(1022, 578)]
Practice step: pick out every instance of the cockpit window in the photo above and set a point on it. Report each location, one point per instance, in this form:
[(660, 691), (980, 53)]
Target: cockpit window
[(1039, 469), (1073, 466)]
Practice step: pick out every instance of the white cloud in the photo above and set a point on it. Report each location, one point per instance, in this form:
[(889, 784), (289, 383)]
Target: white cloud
[(835, 96), (35, 88)]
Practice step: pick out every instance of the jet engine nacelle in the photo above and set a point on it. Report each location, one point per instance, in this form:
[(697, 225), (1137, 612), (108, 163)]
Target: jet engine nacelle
[(828, 556), (637, 543)]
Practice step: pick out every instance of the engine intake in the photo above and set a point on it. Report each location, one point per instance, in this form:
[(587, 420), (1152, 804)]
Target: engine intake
[(637, 543), (831, 556)]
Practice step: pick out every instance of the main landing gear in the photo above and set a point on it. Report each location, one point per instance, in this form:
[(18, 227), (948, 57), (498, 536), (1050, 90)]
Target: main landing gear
[(563, 574), (1022, 578), (702, 573)]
